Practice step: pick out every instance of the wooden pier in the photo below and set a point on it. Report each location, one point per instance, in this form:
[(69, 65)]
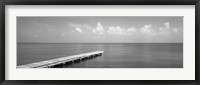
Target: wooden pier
[(63, 60)]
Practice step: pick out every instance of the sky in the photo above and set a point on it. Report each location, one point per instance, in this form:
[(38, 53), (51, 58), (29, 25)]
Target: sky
[(100, 29)]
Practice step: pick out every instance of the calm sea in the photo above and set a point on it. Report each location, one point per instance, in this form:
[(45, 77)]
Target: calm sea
[(123, 55)]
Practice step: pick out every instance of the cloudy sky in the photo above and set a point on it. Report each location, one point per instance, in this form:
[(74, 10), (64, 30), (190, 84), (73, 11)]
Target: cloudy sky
[(100, 29)]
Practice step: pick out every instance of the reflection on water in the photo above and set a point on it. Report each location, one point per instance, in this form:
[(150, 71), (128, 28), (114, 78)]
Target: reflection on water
[(126, 55)]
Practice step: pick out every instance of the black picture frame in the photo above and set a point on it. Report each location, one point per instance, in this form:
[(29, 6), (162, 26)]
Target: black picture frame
[(98, 2)]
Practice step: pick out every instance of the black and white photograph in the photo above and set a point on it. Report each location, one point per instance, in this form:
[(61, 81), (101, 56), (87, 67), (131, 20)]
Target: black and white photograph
[(99, 42)]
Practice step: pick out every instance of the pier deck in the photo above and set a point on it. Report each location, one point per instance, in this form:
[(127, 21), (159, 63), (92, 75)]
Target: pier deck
[(63, 60)]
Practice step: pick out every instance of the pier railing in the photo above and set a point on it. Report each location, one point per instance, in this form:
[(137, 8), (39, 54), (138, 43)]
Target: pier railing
[(63, 60)]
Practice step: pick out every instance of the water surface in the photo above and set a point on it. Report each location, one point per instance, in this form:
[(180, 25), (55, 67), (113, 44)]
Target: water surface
[(116, 55)]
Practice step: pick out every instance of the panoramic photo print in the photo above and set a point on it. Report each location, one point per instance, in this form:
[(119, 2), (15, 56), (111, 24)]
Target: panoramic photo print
[(100, 42)]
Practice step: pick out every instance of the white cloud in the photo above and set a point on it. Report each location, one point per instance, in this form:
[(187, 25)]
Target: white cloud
[(146, 29), (166, 25), (166, 29), (99, 29), (78, 29), (121, 31), (131, 31), (80, 25), (94, 31), (115, 30)]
